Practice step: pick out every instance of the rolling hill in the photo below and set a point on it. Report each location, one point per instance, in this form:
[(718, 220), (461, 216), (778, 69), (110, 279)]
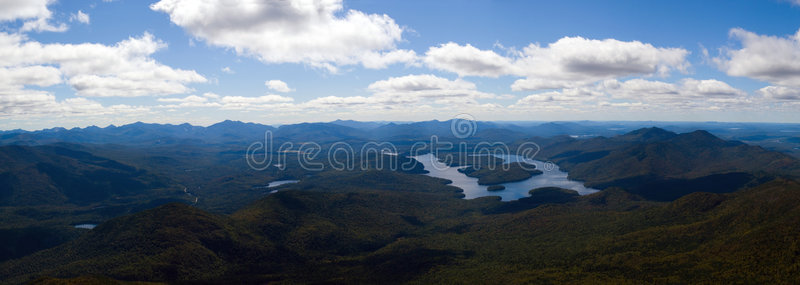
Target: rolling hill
[(398, 237), (55, 175)]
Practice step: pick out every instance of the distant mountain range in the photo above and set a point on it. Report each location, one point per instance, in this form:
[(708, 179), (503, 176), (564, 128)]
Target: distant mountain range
[(780, 137)]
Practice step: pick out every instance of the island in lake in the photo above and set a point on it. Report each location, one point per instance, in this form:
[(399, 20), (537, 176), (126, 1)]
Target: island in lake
[(552, 195), (498, 174), (496, 188)]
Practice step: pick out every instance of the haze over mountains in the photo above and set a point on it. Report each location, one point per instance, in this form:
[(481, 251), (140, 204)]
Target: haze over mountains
[(780, 137)]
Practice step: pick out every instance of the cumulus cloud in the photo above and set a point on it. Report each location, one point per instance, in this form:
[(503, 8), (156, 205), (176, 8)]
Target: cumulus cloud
[(581, 61), (17, 77), (685, 89), (27, 9), (122, 70), (22, 103), (35, 14), (468, 60), (16, 100), (688, 93), (780, 93), (766, 58), (567, 63), (559, 100), (278, 85), (228, 70), (43, 25), (414, 88), (81, 17), (407, 92), (317, 33), (639, 93), (709, 88)]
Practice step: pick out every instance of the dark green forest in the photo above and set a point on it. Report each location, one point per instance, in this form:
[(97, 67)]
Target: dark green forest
[(674, 208)]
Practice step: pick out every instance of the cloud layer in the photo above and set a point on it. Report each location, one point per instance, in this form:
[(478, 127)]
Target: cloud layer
[(317, 33), (571, 74), (568, 62)]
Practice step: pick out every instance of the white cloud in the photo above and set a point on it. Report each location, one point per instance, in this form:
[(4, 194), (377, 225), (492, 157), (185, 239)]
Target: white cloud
[(190, 98), (189, 101), (211, 95), (686, 89), (334, 101), (81, 17), (278, 85), (576, 61), (123, 70), (43, 25), (24, 65), (254, 103), (709, 88), (11, 10), (468, 60), (408, 93), (17, 77), (375, 60), (228, 102), (688, 93), (35, 12), (626, 105), (228, 70), (315, 32), (24, 103), (642, 94), (780, 93), (415, 88), (570, 97), (567, 63), (767, 58)]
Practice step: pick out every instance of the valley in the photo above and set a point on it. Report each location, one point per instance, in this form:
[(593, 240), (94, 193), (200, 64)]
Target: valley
[(186, 212)]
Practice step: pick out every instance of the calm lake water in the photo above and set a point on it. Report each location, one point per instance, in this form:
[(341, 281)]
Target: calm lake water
[(274, 184), (280, 182), (552, 176), (85, 226)]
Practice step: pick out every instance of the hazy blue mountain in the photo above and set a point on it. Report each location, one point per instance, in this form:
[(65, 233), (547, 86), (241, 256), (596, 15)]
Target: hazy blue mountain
[(358, 124), (318, 132)]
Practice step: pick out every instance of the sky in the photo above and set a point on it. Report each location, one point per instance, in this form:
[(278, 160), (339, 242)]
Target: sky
[(100, 62)]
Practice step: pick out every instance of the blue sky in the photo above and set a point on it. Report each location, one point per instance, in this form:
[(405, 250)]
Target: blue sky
[(80, 63)]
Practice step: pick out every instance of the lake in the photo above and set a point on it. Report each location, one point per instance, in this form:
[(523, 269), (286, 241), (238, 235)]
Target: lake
[(551, 176), (274, 184), (280, 182), (85, 226)]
